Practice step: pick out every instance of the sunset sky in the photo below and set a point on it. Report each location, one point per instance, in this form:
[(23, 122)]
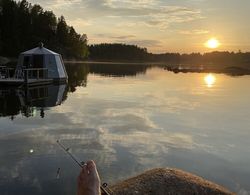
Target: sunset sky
[(159, 25)]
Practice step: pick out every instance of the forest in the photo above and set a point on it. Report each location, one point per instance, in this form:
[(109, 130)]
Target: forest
[(116, 51), (122, 52), (23, 26)]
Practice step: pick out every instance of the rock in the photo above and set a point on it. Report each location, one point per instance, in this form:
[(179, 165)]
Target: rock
[(165, 181)]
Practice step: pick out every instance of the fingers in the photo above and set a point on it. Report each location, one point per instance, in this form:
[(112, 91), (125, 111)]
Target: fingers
[(88, 179), (83, 173), (88, 169), (91, 165), (92, 170)]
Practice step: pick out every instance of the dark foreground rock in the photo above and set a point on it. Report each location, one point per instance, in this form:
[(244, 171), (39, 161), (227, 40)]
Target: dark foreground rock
[(163, 181)]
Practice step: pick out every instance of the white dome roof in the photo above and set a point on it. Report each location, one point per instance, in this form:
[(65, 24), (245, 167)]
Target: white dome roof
[(39, 51)]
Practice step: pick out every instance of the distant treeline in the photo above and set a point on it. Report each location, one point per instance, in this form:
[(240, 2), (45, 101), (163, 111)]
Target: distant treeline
[(122, 52), (115, 51), (23, 26)]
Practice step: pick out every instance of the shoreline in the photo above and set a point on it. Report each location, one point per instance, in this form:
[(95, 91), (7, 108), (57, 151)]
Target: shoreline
[(234, 70), (113, 62)]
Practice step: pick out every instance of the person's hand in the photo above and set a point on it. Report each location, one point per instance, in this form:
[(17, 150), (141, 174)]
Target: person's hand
[(88, 182)]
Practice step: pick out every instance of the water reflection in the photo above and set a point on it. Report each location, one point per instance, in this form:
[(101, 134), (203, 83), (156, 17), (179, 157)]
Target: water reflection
[(31, 101), (128, 119), (12, 104), (210, 80), (28, 100), (119, 70), (77, 76)]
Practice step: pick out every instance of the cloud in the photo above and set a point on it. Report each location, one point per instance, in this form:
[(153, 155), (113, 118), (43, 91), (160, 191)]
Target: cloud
[(168, 15), (57, 4), (124, 37), (148, 13), (80, 23), (112, 36), (138, 3), (194, 32)]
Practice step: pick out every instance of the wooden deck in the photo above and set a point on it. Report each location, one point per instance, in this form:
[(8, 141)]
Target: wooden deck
[(31, 82)]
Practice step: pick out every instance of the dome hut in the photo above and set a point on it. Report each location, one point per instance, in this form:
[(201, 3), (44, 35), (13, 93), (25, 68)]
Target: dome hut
[(41, 58)]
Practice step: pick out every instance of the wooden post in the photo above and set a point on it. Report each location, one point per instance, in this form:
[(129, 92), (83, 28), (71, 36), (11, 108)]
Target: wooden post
[(37, 73), (26, 76), (8, 73)]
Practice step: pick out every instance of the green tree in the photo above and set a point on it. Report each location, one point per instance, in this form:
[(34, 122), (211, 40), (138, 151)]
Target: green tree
[(23, 25)]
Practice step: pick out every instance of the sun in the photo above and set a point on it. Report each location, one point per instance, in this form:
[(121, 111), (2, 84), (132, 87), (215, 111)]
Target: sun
[(212, 43)]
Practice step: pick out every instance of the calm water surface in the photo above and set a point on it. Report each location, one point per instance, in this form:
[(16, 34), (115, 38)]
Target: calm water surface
[(128, 118)]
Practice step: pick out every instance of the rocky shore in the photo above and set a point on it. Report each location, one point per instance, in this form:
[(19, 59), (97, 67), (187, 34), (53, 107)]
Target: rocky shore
[(165, 181)]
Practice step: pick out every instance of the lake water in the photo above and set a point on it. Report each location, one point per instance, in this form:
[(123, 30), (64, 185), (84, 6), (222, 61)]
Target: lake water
[(128, 118)]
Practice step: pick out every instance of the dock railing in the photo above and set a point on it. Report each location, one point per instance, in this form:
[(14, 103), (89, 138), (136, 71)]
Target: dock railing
[(35, 73), (5, 72)]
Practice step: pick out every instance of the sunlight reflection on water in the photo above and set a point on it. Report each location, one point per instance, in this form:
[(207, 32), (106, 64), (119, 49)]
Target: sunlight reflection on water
[(210, 80)]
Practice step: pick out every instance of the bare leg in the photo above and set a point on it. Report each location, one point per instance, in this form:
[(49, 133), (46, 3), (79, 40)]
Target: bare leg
[(88, 181)]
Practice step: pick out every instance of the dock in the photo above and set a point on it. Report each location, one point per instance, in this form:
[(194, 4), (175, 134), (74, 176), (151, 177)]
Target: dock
[(30, 82), (30, 77)]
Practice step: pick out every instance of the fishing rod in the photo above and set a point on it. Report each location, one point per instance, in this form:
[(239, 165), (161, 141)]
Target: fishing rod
[(104, 191), (72, 157)]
